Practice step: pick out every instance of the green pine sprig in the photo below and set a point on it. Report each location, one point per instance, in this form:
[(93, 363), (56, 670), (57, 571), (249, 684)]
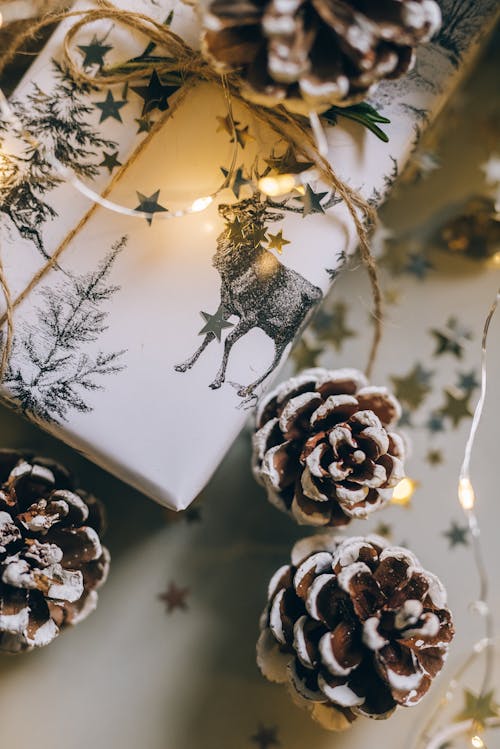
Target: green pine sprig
[(363, 113)]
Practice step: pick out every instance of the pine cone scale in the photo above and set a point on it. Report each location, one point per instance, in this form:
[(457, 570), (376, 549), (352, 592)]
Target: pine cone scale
[(51, 557)]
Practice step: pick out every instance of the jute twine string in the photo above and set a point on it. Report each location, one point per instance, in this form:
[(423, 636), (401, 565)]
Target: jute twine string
[(192, 67)]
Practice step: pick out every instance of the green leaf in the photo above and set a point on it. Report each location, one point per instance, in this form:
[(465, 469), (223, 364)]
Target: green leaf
[(363, 113)]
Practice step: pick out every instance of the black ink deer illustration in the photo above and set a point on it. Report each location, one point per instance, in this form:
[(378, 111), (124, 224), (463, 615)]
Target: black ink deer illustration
[(255, 287)]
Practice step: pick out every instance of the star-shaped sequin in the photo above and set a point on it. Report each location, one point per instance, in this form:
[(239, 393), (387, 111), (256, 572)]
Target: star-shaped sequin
[(174, 598), (332, 326), (235, 231), (238, 181), (457, 406), (434, 457), (413, 388), (277, 242), (215, 324), (110, 107), (451, 339), (477, 708), (456, 535), (305, 356), (383, 529), (110, 161), (155, 95), (435, 423), (265, 737), (468, 381), (312, 201), (287, 163), (149, 204), (94, 53), (418, 265)]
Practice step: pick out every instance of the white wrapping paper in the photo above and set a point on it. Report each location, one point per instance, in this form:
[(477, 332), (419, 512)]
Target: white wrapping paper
[(103, 344)]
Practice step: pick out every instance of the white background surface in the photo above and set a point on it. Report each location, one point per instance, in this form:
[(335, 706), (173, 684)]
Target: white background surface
[(131, 677)]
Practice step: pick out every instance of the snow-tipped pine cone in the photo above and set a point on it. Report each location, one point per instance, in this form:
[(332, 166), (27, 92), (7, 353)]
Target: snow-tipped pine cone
[(51, 558), (324, 447), (312, 54), (354, 627)]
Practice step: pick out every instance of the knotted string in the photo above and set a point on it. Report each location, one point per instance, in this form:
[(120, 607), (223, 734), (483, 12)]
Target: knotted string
[(188, 66)]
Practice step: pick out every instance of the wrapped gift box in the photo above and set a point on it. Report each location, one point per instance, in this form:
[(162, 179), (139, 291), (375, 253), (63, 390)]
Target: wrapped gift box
[(147, 344)]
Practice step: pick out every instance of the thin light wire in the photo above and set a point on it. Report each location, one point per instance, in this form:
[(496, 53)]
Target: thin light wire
[(482, 605), (485, 647), (70, 177)]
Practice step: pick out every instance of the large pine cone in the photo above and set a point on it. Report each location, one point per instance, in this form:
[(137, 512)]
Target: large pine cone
[(311, 54), (51, 558), (355, 627), (324, 448)]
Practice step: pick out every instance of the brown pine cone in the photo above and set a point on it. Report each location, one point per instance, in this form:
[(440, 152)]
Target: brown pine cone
[(355, 627), (51, 558), (324, 449), (312, 54)]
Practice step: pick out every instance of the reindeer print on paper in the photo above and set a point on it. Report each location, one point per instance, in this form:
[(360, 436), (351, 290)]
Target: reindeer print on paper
[(255, 287)]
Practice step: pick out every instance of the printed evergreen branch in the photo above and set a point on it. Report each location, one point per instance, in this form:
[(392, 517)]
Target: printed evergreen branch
[(49, 371), (59, 126)]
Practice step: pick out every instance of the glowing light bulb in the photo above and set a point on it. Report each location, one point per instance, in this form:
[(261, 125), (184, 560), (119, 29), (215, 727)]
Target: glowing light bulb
[(477, 742), (278, 185), (495, 260), (200, 204), (466, 493), (404, 492)]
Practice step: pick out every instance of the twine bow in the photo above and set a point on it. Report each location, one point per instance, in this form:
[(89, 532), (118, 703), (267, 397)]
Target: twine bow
[(189, 67)]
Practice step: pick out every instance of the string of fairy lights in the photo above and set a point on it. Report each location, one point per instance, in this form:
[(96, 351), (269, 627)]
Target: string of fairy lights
[(474, 728)]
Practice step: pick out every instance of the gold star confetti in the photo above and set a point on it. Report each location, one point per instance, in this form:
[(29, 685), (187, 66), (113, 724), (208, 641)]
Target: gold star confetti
[(478, 709), (457, 406), (331, 325), (174, 598), (434, 457), (412, 389), (392, 297), (277, 242), (383, 529)]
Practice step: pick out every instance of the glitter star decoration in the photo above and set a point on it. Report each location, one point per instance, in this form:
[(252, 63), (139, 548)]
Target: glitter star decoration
[(110, 161), (468, 381), (331, 325), (215, 324), (477, 708), (174, 598), (435, 423), (434, 457), (238, 181), (312, 201), (418, 265), (451, 339), (155, 94), (414, 387), (457, 406), (456, 535), (265, 737), (383, 529), (287, 163), (149, 204), (94, 53), (110, 107), (277, 242)]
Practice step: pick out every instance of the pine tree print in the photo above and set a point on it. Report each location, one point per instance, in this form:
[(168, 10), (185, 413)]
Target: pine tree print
[(58, 127), (50, 371)]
